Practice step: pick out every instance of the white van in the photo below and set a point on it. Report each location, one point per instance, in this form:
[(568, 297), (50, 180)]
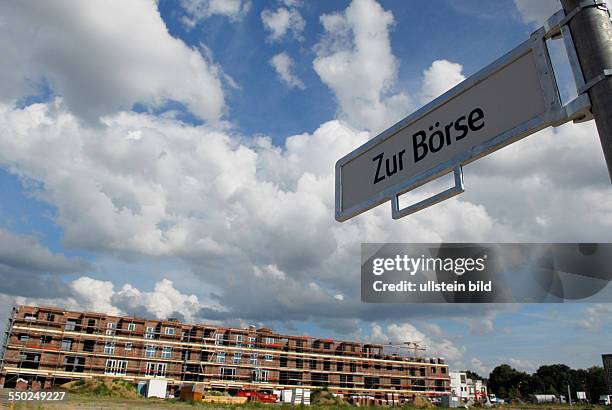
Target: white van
[(605, 400)]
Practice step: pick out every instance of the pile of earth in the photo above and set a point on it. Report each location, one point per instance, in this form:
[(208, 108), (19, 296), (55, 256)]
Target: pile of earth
[(326, 398), (422, 403), (102, 387)]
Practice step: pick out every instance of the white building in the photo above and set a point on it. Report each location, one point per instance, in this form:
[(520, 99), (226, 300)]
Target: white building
[(467, 389)]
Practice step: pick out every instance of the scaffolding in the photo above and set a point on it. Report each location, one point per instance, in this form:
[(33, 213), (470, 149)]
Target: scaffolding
[(51, 346)]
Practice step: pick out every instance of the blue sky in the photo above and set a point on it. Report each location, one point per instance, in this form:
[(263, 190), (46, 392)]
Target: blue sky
[(155, 161), (263, 107)]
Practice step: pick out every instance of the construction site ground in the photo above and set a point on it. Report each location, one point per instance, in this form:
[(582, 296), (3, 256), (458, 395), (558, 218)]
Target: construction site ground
[(78, 401)]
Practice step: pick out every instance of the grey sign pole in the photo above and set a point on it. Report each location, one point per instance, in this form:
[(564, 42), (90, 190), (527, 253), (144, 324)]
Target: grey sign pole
[(591, 30)]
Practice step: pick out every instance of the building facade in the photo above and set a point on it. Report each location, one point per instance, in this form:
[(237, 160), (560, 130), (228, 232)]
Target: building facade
[(467, 389), (49, 346), (607, 364)]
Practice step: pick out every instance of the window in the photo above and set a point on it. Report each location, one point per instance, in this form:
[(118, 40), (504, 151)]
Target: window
[(114, 366), (170, 331), (74, 364), (131, 326), (50, 317), (166, 352), (443, 370), (45, 340), (327, 345), (252, 342), (219, 339), (221, 357), (70, 324), (340, 366), (128, 346), (299, 363), (149, 351), (371, 382), (433, 370), (237, 358), (326, 364), (313, 364), (150, 333), (269, 358), (156, 369), (238, 340), (110, 329), (30, 316), (254, 359), (353, 367), (109, 347), (260, 375), (228, 373), (24, 338), (29, 360), (208, 333), (66, 344), (270, 340), (89, 345), (319, 379), (346, 381)]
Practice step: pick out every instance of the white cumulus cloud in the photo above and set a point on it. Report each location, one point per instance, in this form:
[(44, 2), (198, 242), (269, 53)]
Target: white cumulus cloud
[(406, 332), (283, 64), (440, 77), (199, 10), (283, 21), (355, 60), (90, 54)]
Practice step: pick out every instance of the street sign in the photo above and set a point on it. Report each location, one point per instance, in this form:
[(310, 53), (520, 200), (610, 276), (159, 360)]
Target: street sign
[(510, 99)]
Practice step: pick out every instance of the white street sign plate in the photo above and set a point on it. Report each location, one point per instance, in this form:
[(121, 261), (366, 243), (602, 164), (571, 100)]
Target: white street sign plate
[(508, 100)]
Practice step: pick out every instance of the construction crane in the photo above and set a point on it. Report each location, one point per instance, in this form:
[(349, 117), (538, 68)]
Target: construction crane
[(415, 346)]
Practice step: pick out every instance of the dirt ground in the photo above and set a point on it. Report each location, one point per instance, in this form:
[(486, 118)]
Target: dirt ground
[(77, 401)]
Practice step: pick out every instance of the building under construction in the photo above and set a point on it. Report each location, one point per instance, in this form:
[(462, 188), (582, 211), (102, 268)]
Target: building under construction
[(48, 346)]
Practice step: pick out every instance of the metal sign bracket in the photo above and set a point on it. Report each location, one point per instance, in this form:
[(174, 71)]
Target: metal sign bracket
[(459, 187), (556, 27), (592, 82)]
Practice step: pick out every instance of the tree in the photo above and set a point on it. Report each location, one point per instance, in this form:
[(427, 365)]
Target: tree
[(473, 375), (596, 383), (507, 382)]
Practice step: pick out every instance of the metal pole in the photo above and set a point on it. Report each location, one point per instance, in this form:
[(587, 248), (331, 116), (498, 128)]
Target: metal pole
[(592, 34)]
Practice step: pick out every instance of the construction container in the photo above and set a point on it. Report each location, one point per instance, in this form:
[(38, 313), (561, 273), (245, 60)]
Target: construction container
[(191, 392), (157, 388)]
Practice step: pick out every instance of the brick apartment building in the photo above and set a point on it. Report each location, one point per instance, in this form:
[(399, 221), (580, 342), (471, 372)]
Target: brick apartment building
[(49, 346), (607, 364)]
